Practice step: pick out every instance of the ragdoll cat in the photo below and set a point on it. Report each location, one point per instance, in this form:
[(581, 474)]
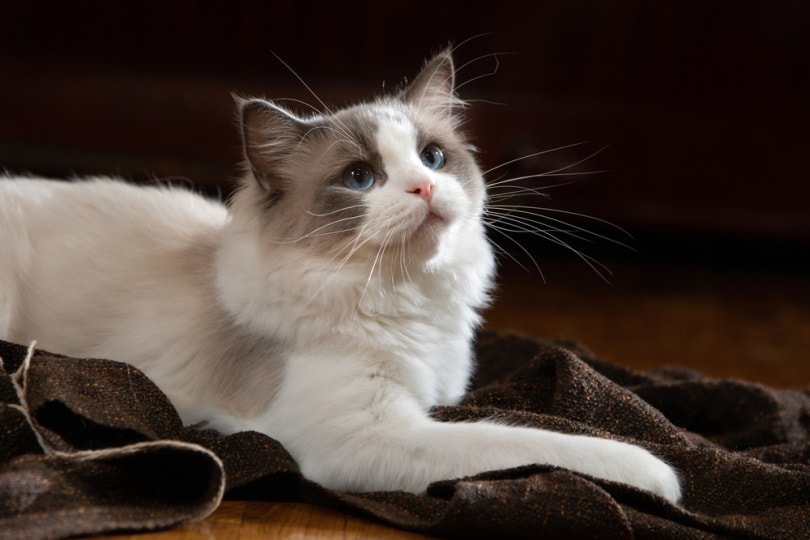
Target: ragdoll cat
[(330, 306)]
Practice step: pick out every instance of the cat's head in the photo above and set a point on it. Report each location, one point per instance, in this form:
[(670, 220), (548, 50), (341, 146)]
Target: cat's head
[(390, 178)]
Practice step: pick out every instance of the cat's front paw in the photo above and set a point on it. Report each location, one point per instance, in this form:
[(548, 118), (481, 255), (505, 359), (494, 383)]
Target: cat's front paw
[(645, 471)]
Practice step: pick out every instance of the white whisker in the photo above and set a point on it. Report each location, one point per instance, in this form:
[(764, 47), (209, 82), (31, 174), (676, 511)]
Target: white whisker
[(513, 258), (303, 83), (557, 172), (306, 105), (575, 214), (339, 210), (490, 73), (512, 223), (376, 264), (501, 193), (535, 154), (316, 232), (513, 220), (340, 127), (353, 246)]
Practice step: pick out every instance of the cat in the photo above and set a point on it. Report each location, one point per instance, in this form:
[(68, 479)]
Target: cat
[(330, 304)]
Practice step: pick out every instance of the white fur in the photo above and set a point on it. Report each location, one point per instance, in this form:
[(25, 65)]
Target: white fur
[(339, 362)]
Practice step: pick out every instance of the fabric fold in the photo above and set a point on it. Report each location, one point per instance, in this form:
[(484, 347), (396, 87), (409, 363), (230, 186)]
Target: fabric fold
[(92, 446)]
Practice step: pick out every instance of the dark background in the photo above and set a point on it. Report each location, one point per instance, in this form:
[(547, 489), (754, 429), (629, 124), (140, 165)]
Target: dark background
[(700, 109)]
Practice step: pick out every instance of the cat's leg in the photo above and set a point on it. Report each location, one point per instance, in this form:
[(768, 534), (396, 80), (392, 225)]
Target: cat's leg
[(394, 445), (412, 456)]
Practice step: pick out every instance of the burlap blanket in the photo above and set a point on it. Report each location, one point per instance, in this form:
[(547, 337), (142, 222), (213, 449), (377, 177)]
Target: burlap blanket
[(91, 446)]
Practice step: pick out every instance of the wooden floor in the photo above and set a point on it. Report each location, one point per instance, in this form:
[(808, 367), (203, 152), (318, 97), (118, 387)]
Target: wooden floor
[(726, 319)]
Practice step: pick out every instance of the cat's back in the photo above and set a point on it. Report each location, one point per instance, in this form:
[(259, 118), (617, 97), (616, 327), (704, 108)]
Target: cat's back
[(102, 225), (102, 205), (85, 250)]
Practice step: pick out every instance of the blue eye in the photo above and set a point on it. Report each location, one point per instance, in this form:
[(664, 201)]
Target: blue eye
[(358, 177), (432, 157)]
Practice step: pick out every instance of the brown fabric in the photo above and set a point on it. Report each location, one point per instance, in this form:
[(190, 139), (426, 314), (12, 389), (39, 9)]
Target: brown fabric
[(102, 450)]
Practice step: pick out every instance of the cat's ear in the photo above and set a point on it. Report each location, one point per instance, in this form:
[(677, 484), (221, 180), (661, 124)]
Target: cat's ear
[(433, 89), (269, 133)]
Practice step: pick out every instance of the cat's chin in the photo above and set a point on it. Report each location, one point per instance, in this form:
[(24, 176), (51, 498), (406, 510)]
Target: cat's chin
[(428, 241), (433, 224)]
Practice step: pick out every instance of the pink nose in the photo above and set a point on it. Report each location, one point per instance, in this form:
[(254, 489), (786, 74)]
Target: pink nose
[(423, 188)]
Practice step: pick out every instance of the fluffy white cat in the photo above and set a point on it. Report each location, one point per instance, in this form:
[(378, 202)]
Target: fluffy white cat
[(330, 305)]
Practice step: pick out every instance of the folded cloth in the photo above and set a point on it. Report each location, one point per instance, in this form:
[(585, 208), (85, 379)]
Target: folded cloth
[(89, 446)]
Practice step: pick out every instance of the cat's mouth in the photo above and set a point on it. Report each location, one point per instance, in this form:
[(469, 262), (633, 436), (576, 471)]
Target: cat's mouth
[(432, 227), (425, 227), (433, 221), (433, 217)]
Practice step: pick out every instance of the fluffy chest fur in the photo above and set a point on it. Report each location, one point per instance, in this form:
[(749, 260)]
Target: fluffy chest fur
[(416, 331)]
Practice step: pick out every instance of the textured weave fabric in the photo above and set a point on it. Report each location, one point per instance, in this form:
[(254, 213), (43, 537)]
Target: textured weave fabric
[(94, 446)]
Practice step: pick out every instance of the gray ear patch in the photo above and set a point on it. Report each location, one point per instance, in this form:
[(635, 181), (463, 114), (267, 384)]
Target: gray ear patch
[(269, 135)]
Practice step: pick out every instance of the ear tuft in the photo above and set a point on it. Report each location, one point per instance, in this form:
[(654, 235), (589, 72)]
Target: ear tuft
[(269, 133), (433, 89)]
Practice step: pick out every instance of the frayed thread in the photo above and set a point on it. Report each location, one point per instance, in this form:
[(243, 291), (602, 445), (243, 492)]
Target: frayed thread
[(20, 381)]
